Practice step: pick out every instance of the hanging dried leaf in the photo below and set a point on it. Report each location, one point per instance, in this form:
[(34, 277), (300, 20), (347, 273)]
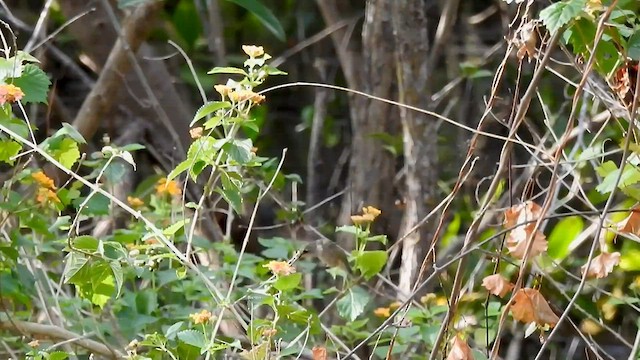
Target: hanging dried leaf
[(319, 353), (602, 265), (530, 306), (459, 350), (518, 240), (631, 224), (497, 285), (525, 214), (526, 41)]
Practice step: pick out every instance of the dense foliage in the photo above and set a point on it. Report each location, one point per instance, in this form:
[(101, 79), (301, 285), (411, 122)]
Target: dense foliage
[(128, 237)]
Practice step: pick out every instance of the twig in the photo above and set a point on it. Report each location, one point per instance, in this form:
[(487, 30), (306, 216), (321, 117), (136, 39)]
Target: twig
[(62, 334)]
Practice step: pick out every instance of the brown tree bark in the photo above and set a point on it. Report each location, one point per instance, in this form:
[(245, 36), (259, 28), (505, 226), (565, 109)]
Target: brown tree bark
[(418, 134), (371, 167)]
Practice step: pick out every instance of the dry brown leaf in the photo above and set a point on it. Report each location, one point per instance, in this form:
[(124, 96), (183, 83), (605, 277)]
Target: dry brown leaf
[(319, 353), (497, 285), (631, 224), (521, 213), (459, 350), (602, 265), (530, 306), (526, 41), (517, 242)]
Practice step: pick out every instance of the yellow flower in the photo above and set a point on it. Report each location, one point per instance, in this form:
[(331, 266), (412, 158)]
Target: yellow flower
[(167, 187), (202, 317), (369, 214), (43, 180), (428, 298), (34, 343), (280, 268), (252, 50), (223, 90), (394, 305), (370, 210), (382, 312), (196, 132), (10, 93), (134, 201)]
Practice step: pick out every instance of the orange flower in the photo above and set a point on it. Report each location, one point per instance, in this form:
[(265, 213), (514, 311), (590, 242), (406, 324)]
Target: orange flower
[(43, 180), (10, 93), (202, 317), (383, 312), (134, 201), (252, 50), (280, 268), (45, 195), (167, 187), (151, 241), (370, 210)]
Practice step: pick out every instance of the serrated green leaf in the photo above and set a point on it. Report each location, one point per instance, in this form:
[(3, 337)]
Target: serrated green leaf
[(369, 263), (34, 83), (208, 109), (239, 150), (74, 263), (118, 275), (352, 304), (193, 338), (86, 243), (265, 16), (557, 15), (9, 149), (67, 152), (288, 282)]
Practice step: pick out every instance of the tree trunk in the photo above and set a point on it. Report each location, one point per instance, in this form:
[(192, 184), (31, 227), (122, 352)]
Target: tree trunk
[(418, 134), (372, 70)]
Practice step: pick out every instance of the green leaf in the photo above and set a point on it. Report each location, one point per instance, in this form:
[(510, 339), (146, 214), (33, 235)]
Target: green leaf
[(57, 355), (34, 83), (66, 152), (227, 70), (173, 229), (557, 15), (172, 331), (182, 167), (146, 301), (86, 243), (288, 282), (118, 275), (352, 304), (369, 263), (208, 109), (9, 149), (265, 16), (193, 338), (633, 46), (562, 235), (239, 150), (70, 131), (74, 263), (276, 248)]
